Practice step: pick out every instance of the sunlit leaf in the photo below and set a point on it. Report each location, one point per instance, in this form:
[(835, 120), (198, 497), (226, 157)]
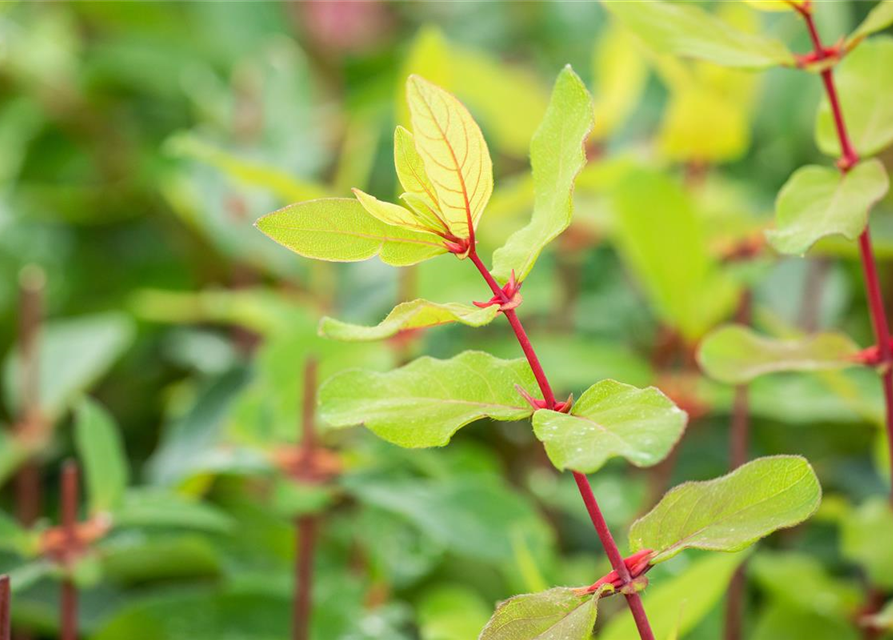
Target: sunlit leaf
[(101, 451), (390, 214), (454, 153), (774, 5), (685, 29), (556, 156), (860, 532), (620, 72), (424, 403), (74, 354), (340, 230), (732, 512), (654, 217), (820, 201), (864, 82), (562, 612), (407, 316), (611, 419), (736, 354), (701, 124), (420, 193), (679, 604), (879, 18)]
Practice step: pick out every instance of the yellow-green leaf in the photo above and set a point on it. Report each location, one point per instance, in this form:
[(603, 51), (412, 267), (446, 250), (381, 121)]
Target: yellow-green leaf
[(879, 18), (424, 403), (561, 613), (557, 156), (736, 354), (391, 214), (820, 201), (620, 71), (732, 512), (611, 419), (454, 153), (685, 29), (340, 230), (407, 316)]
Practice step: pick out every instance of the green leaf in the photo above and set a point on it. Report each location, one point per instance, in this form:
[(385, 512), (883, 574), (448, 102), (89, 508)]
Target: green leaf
[(556, 156), (684, 29), (655, 217), (451, 612), (454, 153), (340, 230), (473, 517), (409, 316), (424, 403), (166, 509), (883, 619), (73, 354), (101, 451), (12, 454), (13, 537), (560, 613), (255, 174), (732, 512), (861, 531), (879, 18), (391, 214), (782, 622), (679, 604), (611, 419), (775, 572), (864, 83), (819, 201), (420, 193), (620, 73), (736, 354)]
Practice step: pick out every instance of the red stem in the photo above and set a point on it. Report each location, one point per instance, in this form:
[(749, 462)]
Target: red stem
[(69, 600), (598, 520), (849, 158), (5, 597), (306, 526)]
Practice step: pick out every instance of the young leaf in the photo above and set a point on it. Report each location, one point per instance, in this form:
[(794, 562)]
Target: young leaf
[(684, 29), (879, 18), (865, 86), (561, 613), (819, 201), (101, 450), (454, 153), (556, 156), (732, 512), (424, 403), (391, 214), (611, 419), (407, 316), (411, 171), (774, 5), (340, 230), (680, 603), (736, 354)]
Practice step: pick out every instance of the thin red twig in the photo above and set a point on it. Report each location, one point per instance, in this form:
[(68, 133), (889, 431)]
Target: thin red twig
[(69, 600), (634, 601), (849, 157)]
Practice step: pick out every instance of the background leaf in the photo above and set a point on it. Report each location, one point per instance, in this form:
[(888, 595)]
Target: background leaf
[(561, 612), (736, 354), (101, 451)]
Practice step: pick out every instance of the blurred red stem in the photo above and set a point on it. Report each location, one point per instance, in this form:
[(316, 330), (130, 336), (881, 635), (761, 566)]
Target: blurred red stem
[(847, 160), (5, 598), (306, 526), (601, 527), (69, 601), (28, 490)]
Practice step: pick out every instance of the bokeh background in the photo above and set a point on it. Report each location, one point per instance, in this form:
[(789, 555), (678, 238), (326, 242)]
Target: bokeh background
[(140, 141)]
